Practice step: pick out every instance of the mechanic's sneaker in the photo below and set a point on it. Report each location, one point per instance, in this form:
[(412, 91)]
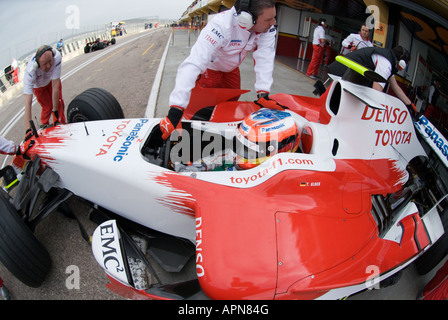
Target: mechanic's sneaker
[(5, 293)]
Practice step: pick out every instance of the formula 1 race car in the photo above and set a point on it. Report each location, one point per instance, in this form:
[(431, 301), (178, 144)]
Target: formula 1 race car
[(98, 44), (354, 192)]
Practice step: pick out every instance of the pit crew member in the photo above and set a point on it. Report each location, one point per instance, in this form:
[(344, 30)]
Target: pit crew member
[(222, 46), (43, 79), (385, 62), (356, 41)]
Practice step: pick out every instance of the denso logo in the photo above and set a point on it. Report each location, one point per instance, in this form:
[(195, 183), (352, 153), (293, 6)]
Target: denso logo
[(389, 115), (392, 115), (200, 271)]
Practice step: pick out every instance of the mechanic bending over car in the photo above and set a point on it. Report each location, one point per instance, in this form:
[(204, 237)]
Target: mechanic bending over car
[(385, 62), (221, 47), (43, 78)]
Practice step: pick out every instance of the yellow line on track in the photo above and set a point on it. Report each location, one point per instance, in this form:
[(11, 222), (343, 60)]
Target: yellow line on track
[(148, 49), (111, 55)]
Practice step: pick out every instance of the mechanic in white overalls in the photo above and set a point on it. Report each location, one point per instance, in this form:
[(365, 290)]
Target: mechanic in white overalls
[(220, 49), (43, 79), (356, 41)]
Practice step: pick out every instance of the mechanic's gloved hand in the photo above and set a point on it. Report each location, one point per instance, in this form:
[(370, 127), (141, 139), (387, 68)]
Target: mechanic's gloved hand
[(265, 102), (412, 110), (171, 121), (55, 118), (28, 134), (18, 151)]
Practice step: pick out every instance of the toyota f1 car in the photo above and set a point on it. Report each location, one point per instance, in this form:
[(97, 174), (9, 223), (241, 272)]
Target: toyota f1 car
[(98, 44), (357, 201)]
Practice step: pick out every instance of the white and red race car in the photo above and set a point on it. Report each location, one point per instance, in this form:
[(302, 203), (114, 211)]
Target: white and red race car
[(354, 205)]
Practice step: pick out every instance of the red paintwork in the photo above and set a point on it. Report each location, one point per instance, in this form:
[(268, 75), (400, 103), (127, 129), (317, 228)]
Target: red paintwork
[(302, 241), (303, 233), (206, 97), (292, 240), (50, 138)]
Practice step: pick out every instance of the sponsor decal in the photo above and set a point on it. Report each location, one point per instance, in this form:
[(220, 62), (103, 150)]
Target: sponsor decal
[(392, 137), (200, 271), (266, 171), (433, 137), (118, 132), (110, 245), (122, 152), (277, 127), (387, 115), (235, 43), (210, 39), (391, 115), (269, 114), (244, 127), (217, 33), (113, 137)]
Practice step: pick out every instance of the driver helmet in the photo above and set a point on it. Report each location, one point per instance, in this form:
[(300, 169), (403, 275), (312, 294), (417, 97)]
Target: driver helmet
[(263, 134)]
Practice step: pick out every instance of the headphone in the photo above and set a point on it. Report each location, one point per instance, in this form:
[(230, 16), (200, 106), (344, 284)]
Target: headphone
[(39, 53), (245, 18), (402, 64)]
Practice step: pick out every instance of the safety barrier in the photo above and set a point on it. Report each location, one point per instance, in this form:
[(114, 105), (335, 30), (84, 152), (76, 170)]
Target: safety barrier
[(72, 48)]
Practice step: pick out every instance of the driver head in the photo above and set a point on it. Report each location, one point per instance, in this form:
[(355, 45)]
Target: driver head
[(263, 134)]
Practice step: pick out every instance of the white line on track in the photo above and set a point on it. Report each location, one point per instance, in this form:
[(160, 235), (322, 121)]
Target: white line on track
[(20, 114)]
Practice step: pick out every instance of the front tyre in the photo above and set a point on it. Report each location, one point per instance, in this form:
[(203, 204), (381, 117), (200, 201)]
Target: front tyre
[(20, 251), (94, 104)]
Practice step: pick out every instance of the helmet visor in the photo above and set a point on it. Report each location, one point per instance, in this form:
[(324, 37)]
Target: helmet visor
[(254, 150)]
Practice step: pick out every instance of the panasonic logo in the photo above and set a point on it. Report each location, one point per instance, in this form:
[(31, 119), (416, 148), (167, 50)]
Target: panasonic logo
[(122, 152)]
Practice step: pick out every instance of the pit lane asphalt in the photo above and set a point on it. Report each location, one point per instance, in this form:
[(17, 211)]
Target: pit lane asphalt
[(131, 75), (127, 70)]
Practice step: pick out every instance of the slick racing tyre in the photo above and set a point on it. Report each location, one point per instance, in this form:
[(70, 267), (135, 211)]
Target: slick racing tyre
[(94, 104), (20, 251), (437, 252)]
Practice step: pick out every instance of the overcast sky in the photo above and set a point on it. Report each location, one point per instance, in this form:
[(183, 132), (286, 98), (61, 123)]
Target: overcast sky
[(23, 21)]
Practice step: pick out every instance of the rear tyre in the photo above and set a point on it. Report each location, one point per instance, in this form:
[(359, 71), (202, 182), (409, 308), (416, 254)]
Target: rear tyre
[(94, 104), (20, 251)]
